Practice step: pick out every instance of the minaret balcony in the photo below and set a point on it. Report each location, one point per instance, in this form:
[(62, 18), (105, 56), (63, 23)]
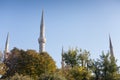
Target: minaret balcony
[(42, 40)]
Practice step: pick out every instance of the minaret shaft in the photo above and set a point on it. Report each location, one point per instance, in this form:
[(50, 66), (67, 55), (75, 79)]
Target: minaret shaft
[(7, 44), (42, 39), (6, 47), (62, 63), (111, 47)]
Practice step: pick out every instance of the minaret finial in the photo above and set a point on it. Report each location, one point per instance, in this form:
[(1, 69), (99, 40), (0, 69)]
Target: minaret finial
[(42, 39), (111, 47), (6, 47)]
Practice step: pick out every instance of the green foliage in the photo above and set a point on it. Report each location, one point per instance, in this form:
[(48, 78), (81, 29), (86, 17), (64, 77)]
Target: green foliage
[(19, 77), (80, 73), (51, 77), (29, 63), (78, 61), (3, 68), (105, 68), (47, 63), (83, 58), (76, 57), (95, 67), (109, 67), (41, 66), (71, 58)]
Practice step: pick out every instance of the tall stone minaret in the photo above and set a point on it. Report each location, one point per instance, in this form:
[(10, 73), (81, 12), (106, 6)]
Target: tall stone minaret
[(111, 47), (42, 39), (6, 52), (62, 62)]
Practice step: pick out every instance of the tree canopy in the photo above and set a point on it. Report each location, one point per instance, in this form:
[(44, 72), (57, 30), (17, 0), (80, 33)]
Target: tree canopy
[(29, 63)]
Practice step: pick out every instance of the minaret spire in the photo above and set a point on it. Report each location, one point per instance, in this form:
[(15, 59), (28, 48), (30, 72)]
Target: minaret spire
[(42, 39), (6, 47), (111, 47)]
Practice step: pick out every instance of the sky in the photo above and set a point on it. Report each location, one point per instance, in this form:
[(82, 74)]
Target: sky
[(84, 24)]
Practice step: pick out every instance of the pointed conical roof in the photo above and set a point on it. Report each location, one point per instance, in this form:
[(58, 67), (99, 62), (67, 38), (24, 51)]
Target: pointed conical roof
[(7, 44), (111, 47), (42, 27)]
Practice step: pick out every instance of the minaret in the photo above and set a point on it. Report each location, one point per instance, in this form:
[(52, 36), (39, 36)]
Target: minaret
[(111, 47), (62, 62), (42, 39), (6, 52)]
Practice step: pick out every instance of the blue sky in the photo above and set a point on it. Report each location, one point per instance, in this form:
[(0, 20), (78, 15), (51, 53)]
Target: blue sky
[(85, 24)]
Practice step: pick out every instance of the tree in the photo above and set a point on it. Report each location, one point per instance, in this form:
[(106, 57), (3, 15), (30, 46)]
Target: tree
[(29, 63), (51, 77), (109, 67), (47, 63), (19, 77), (77, 58), (80, 73), (105, 68), (12, 62), (83, 58), (71, 57), (79, 62), (3, 68), (96, 69)]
